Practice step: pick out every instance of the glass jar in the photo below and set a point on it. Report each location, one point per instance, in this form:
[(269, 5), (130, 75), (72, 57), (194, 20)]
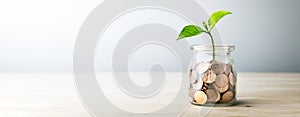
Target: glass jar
[(212, 77)]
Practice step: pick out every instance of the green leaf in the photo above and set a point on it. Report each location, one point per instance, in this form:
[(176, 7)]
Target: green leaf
[(215, 17), (190, 31)]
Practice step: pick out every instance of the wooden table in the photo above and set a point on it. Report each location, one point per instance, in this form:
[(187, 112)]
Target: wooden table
[(55, 95)]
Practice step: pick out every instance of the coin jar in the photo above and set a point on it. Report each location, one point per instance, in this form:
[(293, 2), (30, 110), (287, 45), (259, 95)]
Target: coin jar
[(212, 77)]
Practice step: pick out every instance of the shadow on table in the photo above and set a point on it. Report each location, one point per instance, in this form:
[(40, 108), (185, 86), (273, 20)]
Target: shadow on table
[(244, 103)]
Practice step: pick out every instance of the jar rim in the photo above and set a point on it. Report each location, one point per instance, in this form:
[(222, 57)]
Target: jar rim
[(218, 47)]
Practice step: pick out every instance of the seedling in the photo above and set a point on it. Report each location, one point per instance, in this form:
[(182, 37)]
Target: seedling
[(194, 30)]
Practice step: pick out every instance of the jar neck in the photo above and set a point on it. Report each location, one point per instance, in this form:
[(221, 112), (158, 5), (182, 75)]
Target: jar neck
[(218, 49), (218, 52)]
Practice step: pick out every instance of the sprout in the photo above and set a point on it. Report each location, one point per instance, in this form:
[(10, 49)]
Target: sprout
[(194, 30)]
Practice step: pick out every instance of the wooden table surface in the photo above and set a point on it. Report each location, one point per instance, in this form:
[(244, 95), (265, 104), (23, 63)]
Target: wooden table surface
[(55, 95)]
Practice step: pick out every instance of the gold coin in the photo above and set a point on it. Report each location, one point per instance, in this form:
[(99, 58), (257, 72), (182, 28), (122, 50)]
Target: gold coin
[(200, 97)]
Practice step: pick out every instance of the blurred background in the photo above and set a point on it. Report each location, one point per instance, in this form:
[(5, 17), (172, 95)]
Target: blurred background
[(39, 35)]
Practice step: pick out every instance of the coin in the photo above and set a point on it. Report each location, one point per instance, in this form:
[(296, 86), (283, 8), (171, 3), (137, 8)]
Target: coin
[(221, 80), (209, 77), (193, 76), (191, 86), (221, 89), (213, 96), (232, 79), (218, 67), (198, 85), (204, 88), (206, 84), (227, 97), (200, 97), (191, 93), (202, 67), (227, 68)]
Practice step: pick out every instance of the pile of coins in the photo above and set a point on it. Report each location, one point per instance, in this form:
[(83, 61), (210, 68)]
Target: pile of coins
[(212, 82)]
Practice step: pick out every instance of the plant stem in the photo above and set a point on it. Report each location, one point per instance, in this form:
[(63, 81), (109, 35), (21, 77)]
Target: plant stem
[(213, 45)]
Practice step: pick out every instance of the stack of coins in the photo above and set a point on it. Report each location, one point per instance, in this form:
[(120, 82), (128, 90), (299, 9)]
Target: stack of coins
[(212, 82)]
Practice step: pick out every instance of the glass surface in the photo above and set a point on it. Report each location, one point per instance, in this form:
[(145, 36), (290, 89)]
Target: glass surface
[(212, 82)]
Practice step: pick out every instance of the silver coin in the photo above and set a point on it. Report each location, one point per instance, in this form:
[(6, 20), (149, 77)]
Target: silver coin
[(202, 67), (191, 93), (193, 76), (198, 85)]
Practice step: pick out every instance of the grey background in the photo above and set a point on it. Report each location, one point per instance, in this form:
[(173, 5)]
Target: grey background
[(39, 36), (266, 33)]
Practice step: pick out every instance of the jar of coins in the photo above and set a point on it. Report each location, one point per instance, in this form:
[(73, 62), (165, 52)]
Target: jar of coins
[(212, 76)]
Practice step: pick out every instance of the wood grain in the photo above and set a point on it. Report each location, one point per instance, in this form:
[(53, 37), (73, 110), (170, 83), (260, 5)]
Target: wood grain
[(261, 95), (54, 95)]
